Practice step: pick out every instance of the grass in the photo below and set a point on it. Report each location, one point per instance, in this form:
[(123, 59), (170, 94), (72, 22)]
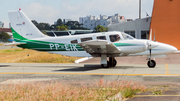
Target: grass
[(56, 91), (1, 44), (21, 56), (157, 92)]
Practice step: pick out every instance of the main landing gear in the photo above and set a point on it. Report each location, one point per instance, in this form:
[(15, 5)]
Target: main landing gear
[(106, 64), (151, 63)]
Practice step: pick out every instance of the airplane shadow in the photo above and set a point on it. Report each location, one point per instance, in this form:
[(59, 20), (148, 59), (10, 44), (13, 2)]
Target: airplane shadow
[(95, 67), (4, 65), (85, 68)]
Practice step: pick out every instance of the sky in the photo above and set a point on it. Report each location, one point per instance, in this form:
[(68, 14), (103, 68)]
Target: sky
[(49, 11)]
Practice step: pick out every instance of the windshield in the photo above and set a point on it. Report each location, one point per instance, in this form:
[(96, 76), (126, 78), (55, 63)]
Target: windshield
[(127, 37)]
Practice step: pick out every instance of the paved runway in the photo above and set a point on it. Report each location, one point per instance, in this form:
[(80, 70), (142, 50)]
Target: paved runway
[(135, 72), (89, 69)]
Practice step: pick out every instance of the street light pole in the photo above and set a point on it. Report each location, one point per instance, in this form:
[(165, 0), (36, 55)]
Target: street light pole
[(139, 9)]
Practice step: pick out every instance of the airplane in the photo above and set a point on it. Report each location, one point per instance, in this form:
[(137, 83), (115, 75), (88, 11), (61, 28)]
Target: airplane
[(104, 44)]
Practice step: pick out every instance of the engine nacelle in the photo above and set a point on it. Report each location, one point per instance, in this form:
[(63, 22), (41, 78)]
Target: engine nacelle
[(131, 46)]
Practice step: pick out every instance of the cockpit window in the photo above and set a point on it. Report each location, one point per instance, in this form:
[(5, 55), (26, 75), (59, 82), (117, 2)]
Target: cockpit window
[(101, 37), (74, 42), (86, 39), (114, 38), (127, 37)]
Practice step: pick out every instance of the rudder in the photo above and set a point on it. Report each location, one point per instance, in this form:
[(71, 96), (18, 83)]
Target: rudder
[(22, 27)]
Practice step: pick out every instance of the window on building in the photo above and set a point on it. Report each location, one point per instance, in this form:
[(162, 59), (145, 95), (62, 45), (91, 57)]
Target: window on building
[(114, 38), (86, 39), (101, 37), (132, 33), (144, 34), (74, 42)]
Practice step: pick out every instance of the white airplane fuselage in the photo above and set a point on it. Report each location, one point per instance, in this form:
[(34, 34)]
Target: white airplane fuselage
[(103, 44)]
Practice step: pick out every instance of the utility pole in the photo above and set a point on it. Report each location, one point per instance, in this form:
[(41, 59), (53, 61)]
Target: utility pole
[(139, 9)]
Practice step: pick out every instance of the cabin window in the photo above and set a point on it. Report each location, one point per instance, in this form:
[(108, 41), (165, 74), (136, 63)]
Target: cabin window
[(114, 38), (101, 37), (74, 42), (86, 39)]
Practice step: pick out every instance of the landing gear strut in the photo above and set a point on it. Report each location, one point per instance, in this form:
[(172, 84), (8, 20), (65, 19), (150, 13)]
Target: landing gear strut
[(151, 63), (106, 64)]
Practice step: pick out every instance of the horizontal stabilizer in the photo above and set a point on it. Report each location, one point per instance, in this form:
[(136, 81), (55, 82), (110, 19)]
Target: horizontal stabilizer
[(14, 44)]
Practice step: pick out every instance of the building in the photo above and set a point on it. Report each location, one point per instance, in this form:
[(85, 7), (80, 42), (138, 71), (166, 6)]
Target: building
[(138, 28), (1, 24), (166, 22), (66, 20), (91, 22)]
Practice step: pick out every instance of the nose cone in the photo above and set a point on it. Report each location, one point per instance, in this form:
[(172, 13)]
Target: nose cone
[(174, 49), (169, 48)]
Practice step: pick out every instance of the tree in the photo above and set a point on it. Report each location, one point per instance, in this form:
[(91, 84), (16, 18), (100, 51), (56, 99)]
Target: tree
[(4, 37), (100, 28), (62, 28), (59, 22), (43, 26), (75, 25), (34, 22)]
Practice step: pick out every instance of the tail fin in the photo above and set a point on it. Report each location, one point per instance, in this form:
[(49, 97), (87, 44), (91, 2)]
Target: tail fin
[(22, 27)]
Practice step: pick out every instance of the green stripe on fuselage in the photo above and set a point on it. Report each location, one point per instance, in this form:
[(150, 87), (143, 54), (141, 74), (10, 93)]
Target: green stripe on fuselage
[(43, 45), (124, 44)]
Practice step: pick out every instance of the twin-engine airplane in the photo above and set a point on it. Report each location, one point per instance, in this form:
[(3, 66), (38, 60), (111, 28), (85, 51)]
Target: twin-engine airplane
[(106, 44)]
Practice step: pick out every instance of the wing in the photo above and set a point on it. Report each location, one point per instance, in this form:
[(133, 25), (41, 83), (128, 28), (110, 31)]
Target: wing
[(14, 44), (98, 47)]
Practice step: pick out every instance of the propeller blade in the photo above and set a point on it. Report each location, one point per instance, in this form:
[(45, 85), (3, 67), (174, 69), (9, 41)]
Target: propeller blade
[(150, 53), (150, 37)]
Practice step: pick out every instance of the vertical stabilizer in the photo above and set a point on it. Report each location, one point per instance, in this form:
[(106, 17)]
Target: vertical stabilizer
[(22, 27)]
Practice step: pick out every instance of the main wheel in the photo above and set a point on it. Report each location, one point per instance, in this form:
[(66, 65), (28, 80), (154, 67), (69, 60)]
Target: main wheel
[(114, 63), (151, 64), (104, 65)]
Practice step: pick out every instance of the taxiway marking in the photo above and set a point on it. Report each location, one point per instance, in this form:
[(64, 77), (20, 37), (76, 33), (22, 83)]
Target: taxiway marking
[(167, 69)]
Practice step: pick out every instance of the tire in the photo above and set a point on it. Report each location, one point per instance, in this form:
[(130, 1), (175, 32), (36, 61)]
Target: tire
[(151, 64), (114, 63)]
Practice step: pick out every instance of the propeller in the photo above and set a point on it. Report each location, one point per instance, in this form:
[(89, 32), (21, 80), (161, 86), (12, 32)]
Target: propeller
[(151, 44)]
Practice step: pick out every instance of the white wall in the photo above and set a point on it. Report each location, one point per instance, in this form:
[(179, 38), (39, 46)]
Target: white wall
[(135, 25)]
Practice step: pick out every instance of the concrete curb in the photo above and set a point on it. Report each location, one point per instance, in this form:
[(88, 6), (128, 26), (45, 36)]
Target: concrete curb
[(83, 59)]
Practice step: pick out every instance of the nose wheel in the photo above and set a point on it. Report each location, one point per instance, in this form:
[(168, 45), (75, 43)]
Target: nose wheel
[(151, 63)]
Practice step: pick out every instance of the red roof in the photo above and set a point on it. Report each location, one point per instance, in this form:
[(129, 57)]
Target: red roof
[(5, 30)]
